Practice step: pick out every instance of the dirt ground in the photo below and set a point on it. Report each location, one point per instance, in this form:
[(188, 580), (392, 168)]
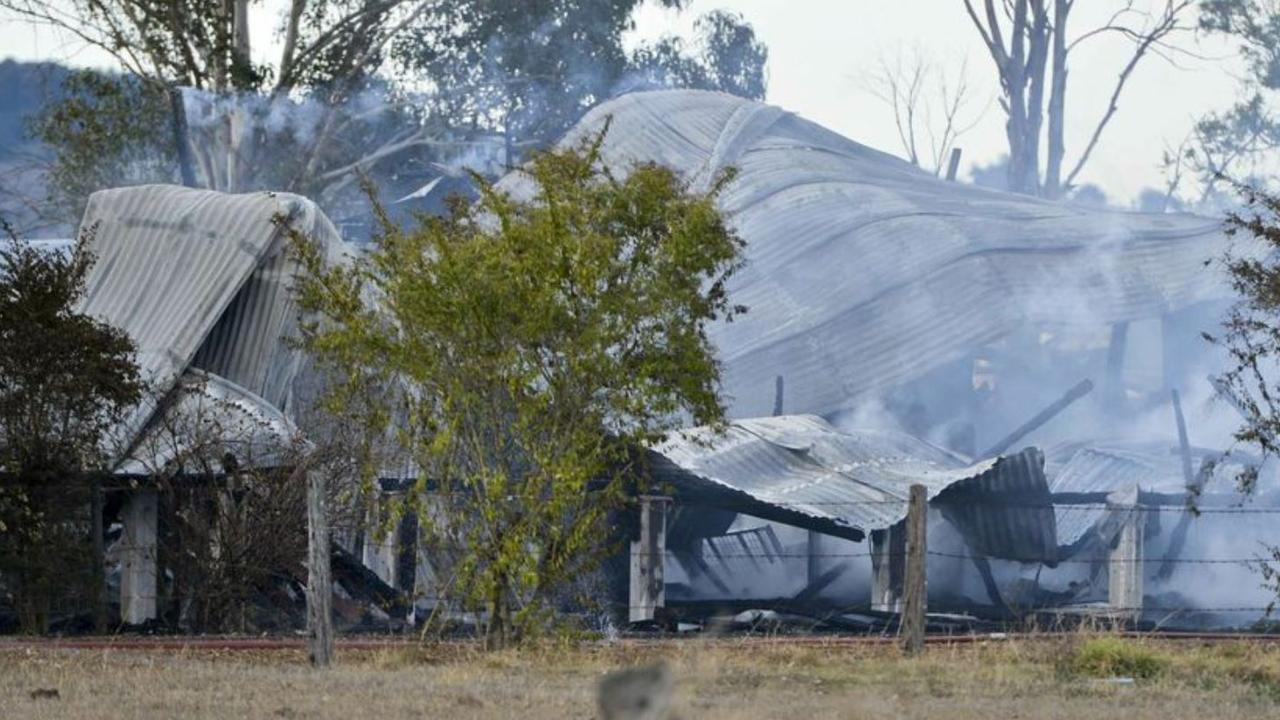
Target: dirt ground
[(1085, 677)]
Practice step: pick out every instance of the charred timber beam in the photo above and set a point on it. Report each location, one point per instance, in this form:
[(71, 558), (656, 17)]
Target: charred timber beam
[(1075, 393), (1115, 362), (1184, 445), (888, 556), (983, 565), (1194, 483), (1178, 537), (812, 589)]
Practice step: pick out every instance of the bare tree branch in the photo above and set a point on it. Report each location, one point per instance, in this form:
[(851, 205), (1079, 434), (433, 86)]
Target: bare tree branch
[(1167, 23)]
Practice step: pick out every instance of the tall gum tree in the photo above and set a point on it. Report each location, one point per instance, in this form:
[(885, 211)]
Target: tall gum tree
[(1030, 46)]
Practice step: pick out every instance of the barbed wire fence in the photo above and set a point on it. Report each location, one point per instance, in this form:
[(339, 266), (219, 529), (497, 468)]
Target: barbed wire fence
[(362, 541)]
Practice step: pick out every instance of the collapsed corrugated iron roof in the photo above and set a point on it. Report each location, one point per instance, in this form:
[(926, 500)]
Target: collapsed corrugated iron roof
[(209, 410), (802, 471), (200, 279), (865, 272), (1083, 470)]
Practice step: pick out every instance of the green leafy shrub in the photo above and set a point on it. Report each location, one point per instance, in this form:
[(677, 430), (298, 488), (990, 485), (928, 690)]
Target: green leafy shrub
[(1116, 657)]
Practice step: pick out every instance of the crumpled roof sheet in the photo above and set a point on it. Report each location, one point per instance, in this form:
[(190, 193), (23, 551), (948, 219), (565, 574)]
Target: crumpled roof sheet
[(206, 408), (1152, 467), (200, 279), (864, 271), (802, 471)]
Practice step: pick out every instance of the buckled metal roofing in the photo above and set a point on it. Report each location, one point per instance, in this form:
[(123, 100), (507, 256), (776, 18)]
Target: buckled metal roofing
[(199, 279), (864, 272), (205, 409), (802, 471), (1152, 468)]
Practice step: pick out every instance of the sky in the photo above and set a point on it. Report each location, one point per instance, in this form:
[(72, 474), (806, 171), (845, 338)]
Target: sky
[(824, 54)]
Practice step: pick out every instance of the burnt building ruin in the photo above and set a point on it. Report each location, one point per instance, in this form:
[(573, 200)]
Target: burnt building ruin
[(1013, 355)]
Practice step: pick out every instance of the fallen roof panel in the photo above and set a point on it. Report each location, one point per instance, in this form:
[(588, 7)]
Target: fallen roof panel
[(800, 470), (171, 262), (864, 271)]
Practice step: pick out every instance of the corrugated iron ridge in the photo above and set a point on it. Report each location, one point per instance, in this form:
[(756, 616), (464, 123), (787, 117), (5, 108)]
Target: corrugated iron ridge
[(171, 260), (801, 471), (1006, 512), (936, 263), (260, 429)]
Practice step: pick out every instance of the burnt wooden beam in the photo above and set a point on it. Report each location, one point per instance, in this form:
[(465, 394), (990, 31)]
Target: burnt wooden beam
[(1077, 391), (953, 164), (1115, 362)]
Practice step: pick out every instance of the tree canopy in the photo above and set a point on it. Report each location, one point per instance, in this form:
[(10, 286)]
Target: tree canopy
[(65, 380), (1235, 145), (395, 89), (540, 343)]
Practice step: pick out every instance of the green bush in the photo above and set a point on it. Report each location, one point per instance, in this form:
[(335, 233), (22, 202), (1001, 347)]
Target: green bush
[(1116, 657)]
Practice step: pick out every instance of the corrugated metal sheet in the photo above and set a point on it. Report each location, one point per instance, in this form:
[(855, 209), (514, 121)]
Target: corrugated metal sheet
[(200, 279), (864, 271), (205, 409), (1151, 468), (248, 343), (801, 471)]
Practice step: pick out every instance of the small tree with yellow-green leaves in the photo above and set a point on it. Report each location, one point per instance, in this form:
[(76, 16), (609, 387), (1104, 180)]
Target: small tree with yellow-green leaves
[(538, 344)]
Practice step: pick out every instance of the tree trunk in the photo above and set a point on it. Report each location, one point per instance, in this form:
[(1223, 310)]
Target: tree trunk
[(496, 631), (240, 124), (1013, 77), (1052, 188), (1037, 52)]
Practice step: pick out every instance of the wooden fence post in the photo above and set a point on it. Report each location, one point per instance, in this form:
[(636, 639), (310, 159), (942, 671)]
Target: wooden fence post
[(319, 582), (915, 587)]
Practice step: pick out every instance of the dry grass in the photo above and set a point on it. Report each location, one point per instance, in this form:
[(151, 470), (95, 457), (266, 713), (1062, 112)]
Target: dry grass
[(1049, 678)]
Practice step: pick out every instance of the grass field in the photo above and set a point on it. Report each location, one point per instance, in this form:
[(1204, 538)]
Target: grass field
[(1085, 677)]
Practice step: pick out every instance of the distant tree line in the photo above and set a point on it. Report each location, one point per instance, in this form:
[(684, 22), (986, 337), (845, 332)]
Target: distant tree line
[(402, 90)]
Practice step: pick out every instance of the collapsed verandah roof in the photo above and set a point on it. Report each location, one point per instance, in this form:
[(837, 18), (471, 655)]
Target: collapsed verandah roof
[(864, 272), (1087, 472), (208, 416), (200, 281), (800, 470)]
